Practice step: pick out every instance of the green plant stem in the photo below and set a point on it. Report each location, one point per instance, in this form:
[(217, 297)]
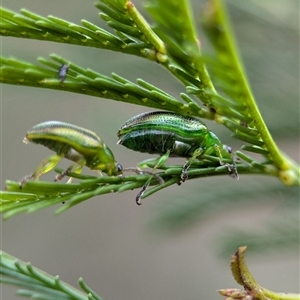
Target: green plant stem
[(289, 172), (36, 195), (228, 37)]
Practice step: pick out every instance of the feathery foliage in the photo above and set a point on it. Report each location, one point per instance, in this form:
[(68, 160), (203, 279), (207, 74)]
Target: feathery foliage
[(37, 284), (173, 44), (216, 88)]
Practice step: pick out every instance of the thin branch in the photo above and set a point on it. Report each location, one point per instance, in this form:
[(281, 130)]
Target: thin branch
[(36, 195)]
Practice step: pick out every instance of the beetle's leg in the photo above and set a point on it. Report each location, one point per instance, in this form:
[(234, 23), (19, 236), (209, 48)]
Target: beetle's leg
[(140, 194), (144, 187), (47, 166), (234, 158), (186, 166), (157, 161), (44, 167), (219, 154), (160, 161), (231, 168), (75, 168), (100, 173), (139, 171)]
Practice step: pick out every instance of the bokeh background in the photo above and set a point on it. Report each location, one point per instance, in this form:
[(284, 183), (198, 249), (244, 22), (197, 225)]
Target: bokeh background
[(178, 243)]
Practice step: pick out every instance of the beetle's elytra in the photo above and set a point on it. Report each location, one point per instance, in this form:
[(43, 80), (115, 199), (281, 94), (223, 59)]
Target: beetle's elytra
[(159, 132), (75, 143)]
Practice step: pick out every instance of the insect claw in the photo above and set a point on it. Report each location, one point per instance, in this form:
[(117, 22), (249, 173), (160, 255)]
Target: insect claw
[(23, 181), (58, 177), (231, 170), (61, 176), (235, 173), (140, 194), (184, 175), (139, 171)]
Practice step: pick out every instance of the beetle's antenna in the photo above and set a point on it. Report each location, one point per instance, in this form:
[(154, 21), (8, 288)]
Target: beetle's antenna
[(140, 172)]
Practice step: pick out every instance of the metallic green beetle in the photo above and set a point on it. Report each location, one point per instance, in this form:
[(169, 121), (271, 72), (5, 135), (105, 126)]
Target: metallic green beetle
[(77, 144), (171, 134)]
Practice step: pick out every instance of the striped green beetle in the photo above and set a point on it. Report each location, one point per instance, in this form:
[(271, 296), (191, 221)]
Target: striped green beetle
[(171, 134), (77, 144)]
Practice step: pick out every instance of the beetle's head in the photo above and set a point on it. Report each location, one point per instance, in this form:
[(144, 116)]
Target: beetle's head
[(112, 167), (105, 162)]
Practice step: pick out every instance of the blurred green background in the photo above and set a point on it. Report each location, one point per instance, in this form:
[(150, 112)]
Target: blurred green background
[(178, 243)]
